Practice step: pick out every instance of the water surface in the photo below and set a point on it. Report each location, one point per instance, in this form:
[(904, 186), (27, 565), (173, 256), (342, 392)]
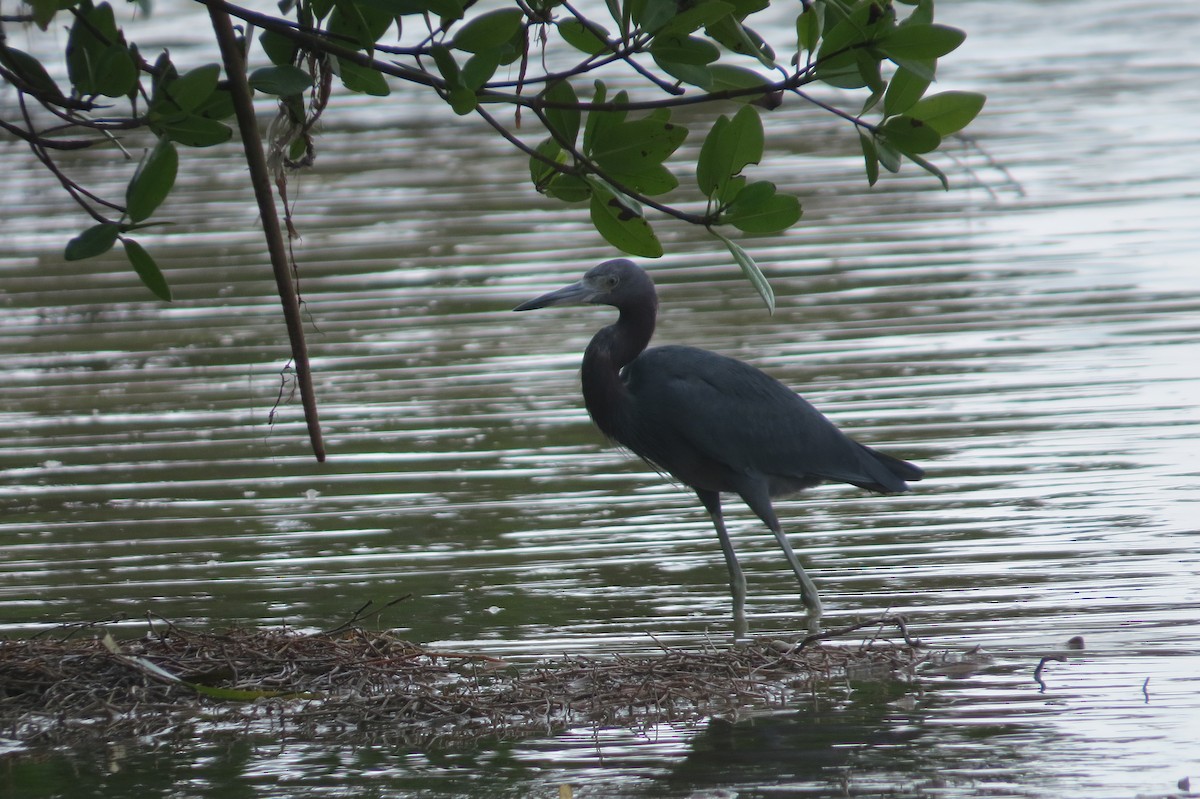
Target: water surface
[(1030, 338)]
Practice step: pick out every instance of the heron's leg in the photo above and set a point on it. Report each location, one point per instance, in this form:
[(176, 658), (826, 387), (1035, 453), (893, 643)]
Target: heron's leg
[(737, 580), (760, 502)]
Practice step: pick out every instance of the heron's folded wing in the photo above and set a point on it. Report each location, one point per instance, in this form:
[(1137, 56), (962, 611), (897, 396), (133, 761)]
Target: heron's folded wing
[(740, 416)]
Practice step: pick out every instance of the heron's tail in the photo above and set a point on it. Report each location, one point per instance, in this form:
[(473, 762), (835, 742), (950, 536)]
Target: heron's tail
[(890, 479)]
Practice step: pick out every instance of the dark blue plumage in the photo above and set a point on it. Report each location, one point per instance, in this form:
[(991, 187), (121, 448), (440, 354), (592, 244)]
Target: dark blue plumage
[(714, 423)]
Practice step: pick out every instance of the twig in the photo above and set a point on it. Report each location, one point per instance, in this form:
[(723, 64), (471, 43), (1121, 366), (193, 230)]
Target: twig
[(360, 616), (898, 621)]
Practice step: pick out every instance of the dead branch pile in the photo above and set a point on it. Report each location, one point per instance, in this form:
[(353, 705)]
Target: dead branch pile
[(361, 685)]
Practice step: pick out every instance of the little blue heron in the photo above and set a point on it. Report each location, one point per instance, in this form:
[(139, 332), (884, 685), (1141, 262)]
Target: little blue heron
[(713, 423)]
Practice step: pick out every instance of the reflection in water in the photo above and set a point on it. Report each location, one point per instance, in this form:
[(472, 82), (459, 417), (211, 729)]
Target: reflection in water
[(1037, 350)]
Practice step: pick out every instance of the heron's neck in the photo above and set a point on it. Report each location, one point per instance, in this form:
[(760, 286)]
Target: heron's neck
[(612, 348)]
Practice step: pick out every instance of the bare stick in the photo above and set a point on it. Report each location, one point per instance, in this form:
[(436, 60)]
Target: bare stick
[(239, 90)]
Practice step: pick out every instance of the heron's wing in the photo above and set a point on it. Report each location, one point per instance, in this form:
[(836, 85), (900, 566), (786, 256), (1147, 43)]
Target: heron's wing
[(693, 401)]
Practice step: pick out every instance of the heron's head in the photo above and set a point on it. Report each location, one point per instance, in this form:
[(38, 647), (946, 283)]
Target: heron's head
[(618, 282)]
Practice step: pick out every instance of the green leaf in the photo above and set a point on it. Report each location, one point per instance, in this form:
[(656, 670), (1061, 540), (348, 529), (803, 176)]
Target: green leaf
[(870, 156), (599, 123), (29, 70), (194, 131), (622, 224), (298, 149), (462, 100), (650, 15), (569, 188), (92, 34), (872, 101), (869, 72), (480, 68), (730, 78), (809, 25), (448, 10), (684, 50), (585, 38), (563, 122), (889, 157), (281, 81), (732, 188), (743, 139), (219, 105), (362, 79), (446, 63), (648, 179), (639, 141), (758, 209), (744, 8), (931, 169), (948, 112), (633, 153), (712, 168), (904, 90), (147, 269), (593, 117), (922, 13), (96, 240), (489, 31), (620, 13), (391, 8), (749, 269), (360, 24), (116, 73), (698, 16), (850, 31), (43, 12), (853, 69), (691, 74), (98, 60), (152, 182), (280, 49), (731, 33), (539, 171), (194, 87), (909, 135), (731, 145), (921, 41)]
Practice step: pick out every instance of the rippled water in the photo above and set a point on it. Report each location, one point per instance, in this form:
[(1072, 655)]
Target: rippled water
[(1030, 338)]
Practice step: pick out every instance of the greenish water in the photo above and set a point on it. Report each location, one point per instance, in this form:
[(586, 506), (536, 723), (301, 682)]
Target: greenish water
[(1030, 338)]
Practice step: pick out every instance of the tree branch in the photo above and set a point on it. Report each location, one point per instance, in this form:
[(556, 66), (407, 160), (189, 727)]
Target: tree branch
[(314, 41), (49, 144), (235, 70), (626, 56)]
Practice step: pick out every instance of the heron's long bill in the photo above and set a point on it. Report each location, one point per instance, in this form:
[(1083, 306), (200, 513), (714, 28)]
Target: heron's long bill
[(574, 294)]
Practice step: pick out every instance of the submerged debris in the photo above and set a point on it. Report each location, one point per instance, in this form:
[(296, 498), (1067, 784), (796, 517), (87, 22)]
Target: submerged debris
[(356, 684)]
